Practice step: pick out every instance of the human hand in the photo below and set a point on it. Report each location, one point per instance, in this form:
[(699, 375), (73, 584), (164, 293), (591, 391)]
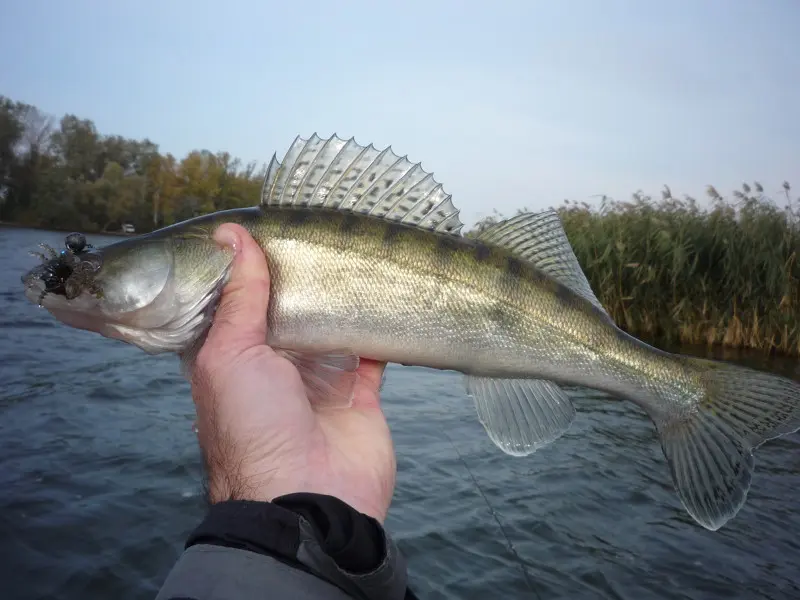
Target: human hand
[(259, 435)]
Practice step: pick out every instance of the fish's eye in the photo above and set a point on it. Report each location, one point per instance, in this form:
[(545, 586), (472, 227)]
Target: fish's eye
[(75, 242)]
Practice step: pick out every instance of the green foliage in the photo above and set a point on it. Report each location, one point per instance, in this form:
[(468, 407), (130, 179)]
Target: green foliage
[(672, 272), (72, 177)]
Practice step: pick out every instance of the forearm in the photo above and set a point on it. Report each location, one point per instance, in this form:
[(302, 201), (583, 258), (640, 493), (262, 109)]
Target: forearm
[(298, 546)]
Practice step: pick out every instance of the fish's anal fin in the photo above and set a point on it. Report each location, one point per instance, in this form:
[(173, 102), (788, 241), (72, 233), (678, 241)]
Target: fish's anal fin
[(521, 415), (343, 175), (329, 377), (540, 239)]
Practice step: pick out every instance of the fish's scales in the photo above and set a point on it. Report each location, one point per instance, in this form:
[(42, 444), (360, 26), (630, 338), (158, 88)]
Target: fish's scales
[(399, 294)]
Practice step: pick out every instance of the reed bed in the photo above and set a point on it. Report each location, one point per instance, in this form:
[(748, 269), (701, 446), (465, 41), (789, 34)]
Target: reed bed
[(672, 272)]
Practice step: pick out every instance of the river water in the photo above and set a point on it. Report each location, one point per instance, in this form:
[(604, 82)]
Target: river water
[(100, 477)]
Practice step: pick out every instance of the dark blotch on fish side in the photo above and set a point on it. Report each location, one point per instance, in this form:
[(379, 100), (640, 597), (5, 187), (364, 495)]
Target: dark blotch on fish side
[(482, 251), (446, 250), (563, 293), (446, 245), (348, 224), (498, 313), (514, 266), (298, 217), (391, 232), (291, 219)]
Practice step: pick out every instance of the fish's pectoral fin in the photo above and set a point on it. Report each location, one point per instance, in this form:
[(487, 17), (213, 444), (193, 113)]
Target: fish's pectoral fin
[(329, 377), (521, 415)]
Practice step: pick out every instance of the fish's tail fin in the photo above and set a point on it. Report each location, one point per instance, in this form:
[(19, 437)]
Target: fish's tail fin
[(709, 444)]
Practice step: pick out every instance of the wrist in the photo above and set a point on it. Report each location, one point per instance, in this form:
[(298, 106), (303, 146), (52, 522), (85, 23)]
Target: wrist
[(258, 489)]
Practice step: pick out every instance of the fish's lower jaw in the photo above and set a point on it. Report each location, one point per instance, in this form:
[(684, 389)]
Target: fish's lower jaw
[(152, 341), (168, 338), (176, 335), (34, 294)]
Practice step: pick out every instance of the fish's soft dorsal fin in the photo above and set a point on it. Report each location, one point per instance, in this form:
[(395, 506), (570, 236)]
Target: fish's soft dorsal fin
[(540, 239), (343, 175), (521, 415)]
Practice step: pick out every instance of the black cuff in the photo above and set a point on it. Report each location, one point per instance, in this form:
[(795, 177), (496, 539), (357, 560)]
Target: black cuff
[(354, 541)]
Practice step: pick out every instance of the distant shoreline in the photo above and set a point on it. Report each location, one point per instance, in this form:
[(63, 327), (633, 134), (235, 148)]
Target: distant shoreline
[(59, 230)]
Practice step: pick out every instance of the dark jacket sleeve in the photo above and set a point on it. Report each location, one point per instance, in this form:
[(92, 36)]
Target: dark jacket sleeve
[(297, 546)]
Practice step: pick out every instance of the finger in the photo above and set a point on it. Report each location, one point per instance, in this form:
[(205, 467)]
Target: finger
[(241, 318), (371, 373)]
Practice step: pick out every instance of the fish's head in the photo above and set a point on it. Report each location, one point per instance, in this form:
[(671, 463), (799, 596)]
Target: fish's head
[(156, 291)]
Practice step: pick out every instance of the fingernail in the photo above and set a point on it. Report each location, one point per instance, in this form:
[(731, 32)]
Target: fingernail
[(227, 236)]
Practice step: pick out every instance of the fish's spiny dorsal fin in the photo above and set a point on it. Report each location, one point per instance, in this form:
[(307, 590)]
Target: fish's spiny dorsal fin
[(343, 175), (540, 239)]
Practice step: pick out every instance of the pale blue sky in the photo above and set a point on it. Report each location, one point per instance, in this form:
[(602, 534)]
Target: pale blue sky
[(509, 103)]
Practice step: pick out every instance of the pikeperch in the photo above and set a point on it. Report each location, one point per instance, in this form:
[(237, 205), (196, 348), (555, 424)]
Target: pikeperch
[(367, 260)]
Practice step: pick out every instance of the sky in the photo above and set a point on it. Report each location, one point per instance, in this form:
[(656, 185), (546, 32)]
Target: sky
[(510, 103)]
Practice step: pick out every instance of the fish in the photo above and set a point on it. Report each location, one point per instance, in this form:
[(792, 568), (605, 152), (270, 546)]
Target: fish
[(367, 260)]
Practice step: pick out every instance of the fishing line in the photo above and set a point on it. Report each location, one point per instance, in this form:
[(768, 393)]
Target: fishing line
[(494, 514)]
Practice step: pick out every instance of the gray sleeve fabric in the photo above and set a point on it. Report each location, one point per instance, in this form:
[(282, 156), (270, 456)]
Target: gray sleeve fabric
[(297, 546), (205, 572), (210, 572), (387, 582)]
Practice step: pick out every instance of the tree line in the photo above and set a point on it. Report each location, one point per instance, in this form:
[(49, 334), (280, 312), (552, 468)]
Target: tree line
[(67, 175)]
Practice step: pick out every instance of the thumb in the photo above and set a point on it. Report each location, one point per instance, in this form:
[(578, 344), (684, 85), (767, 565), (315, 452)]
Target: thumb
[(241, 318)]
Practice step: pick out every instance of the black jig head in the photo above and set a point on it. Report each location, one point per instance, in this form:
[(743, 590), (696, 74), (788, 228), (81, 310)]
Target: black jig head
[(75, 262)]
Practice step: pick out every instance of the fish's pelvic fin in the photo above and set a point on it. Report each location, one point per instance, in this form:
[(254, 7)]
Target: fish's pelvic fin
[(539, 238), (341, 174), (709, 447), (521, 415), (329, 377)]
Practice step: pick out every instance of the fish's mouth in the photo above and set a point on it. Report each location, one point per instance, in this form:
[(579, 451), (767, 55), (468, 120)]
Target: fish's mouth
[(65, 275)]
